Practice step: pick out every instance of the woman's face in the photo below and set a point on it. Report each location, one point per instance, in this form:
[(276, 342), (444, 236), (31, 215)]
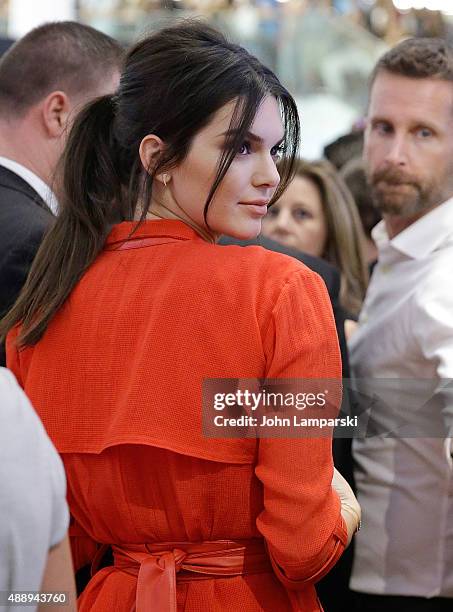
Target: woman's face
[(297, 218), (240, 202)]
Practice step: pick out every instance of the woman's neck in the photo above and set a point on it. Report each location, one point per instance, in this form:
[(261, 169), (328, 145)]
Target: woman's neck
[(159, 211)]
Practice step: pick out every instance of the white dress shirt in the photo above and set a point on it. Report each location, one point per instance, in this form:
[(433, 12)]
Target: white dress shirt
[(41, 188), (405, 485)]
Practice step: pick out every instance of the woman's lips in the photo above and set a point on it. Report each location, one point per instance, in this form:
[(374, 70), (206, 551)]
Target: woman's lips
[(258, 207)]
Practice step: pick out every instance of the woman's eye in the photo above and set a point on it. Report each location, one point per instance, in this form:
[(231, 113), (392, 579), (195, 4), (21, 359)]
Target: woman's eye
[(245, 149), (300, 213), (277, 151)]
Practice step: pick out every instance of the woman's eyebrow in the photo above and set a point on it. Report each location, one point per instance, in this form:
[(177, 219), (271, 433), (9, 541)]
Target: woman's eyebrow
[(251, 136)]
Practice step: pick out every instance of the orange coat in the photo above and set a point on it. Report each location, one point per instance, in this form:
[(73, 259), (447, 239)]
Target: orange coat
[(117, 381)]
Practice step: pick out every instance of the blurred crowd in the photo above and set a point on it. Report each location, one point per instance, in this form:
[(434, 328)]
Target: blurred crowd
[(382, 18)]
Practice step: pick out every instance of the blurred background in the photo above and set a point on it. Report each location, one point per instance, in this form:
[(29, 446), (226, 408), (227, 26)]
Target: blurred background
[(323, 50)]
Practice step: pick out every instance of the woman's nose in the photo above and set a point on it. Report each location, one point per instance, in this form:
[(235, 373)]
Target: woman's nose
[(266, 174), (283, 220)]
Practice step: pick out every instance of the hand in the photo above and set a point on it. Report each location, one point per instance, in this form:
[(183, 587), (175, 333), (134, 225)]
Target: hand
[(350, 509)]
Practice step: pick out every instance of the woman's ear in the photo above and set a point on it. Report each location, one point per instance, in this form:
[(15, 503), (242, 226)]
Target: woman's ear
[(150, 150)]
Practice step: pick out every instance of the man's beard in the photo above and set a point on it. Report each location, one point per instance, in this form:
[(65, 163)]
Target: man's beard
[(395, 192)]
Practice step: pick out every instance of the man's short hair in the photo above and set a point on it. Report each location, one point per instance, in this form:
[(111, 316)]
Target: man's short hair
[(418, 58), (65, 55)]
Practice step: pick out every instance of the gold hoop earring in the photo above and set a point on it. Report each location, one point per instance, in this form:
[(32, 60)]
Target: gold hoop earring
[(164, 180)]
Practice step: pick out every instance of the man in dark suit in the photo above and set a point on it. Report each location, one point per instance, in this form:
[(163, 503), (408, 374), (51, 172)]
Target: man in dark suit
[(24, 217), (333, 590), (45, 78)]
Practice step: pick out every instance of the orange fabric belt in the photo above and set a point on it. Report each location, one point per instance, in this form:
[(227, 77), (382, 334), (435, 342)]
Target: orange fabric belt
[(156, 566)]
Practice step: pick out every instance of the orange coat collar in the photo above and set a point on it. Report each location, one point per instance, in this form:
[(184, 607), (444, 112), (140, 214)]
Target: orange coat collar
[(164, 228)]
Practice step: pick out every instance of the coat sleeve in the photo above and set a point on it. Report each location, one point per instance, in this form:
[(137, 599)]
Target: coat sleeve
[(301, 520)]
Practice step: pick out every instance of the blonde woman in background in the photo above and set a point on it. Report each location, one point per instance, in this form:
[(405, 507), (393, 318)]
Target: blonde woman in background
[(317, 215)]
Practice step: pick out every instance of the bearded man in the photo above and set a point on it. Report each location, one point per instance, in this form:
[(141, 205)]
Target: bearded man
[(404, 552)]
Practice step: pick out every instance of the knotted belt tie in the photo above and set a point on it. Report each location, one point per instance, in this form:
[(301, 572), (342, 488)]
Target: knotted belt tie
[(156, 566)]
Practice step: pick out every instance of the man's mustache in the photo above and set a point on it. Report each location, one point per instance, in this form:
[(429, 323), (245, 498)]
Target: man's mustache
[(393, 176)]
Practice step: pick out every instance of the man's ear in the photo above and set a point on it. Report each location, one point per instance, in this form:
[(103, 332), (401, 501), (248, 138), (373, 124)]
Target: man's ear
[(151, 148), (55, 112)]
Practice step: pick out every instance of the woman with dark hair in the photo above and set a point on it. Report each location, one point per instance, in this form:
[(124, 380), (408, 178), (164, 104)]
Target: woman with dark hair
[(130, 304)]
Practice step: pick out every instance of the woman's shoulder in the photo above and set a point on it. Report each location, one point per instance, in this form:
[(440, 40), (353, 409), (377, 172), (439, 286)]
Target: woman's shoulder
[(256, 260), (250, 273)]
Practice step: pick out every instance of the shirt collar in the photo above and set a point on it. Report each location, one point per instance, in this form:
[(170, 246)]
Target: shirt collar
[(421, 237), (162, 228), (41, 188)]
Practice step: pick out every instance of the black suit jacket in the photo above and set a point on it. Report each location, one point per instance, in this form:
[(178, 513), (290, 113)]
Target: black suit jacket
[(24, 218)]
